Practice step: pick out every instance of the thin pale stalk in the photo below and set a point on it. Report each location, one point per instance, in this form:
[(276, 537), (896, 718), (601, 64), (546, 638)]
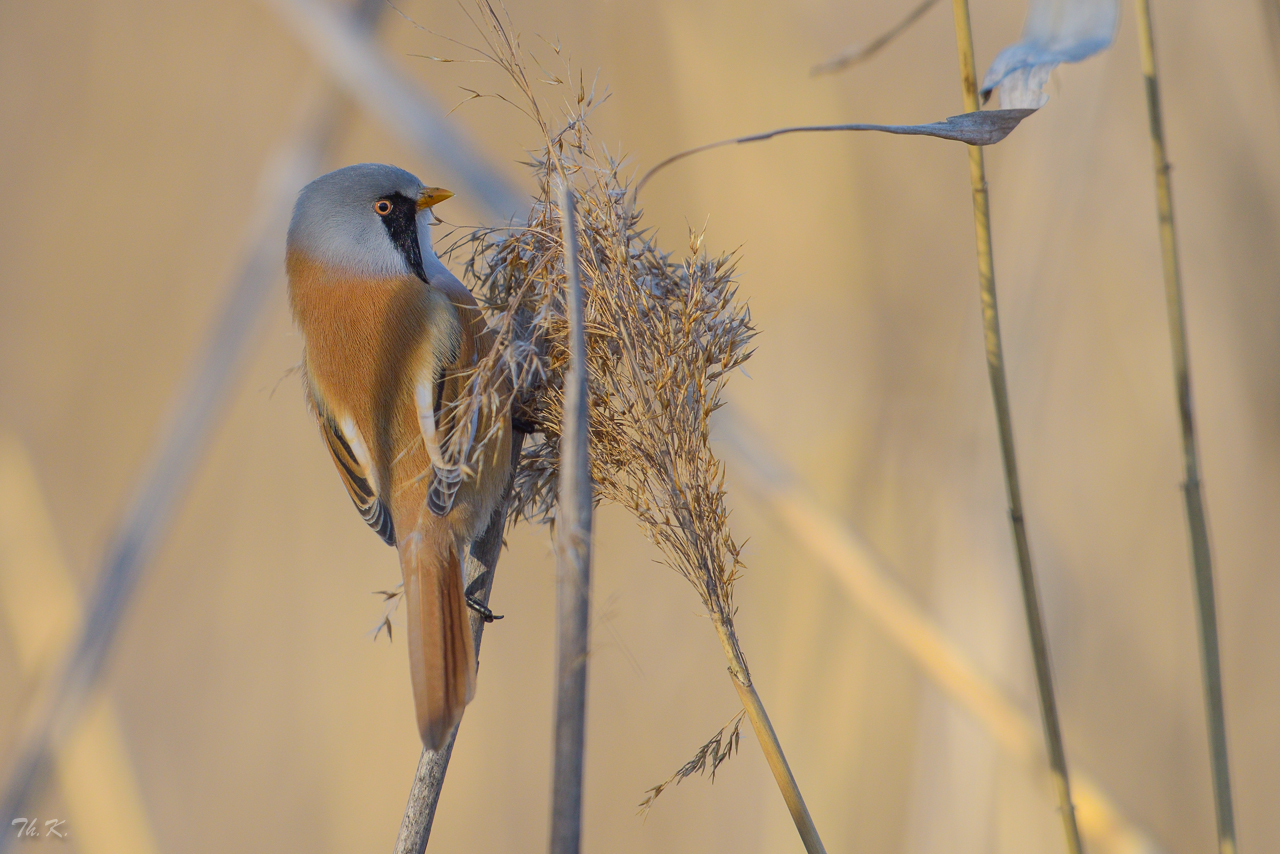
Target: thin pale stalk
[(768, 739), (420, 812), (1004, 421), (1271, 11), (353, 59), (873, 586), (163, 486), (1196, 521), (179, 448), (40, 604), (573, 562), (862, 52)]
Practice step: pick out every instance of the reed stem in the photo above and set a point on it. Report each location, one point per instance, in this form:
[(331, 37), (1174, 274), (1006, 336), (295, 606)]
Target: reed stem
[(1004, 421), (1196, 521), (424, 794), (872, 585), (573, 561), (768, 739)]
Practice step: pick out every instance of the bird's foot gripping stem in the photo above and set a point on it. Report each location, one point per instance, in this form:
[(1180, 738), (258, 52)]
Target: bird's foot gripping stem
[(480, 608)]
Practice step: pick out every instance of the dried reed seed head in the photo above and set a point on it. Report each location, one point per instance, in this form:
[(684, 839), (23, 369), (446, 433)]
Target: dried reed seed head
[(662, 337)]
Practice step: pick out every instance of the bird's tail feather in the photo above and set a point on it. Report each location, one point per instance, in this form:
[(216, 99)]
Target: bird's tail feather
[(442, 659)]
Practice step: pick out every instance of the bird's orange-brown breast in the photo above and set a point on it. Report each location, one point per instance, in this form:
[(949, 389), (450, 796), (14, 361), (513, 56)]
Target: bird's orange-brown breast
[(367, 343)]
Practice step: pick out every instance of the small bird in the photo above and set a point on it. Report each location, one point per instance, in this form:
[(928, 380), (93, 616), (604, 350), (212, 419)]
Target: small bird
[(390, 341)]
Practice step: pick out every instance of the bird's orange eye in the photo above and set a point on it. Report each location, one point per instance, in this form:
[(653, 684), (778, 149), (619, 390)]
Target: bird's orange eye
[(382, 206)]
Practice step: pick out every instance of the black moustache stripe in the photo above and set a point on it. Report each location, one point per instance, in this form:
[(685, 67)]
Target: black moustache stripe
[(402, 225)]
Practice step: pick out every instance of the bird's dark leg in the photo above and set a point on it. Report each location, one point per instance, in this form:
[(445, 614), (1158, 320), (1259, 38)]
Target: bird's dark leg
[(480, 608)]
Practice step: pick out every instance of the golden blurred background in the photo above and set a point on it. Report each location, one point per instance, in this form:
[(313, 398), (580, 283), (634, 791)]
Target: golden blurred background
[(254, 713)]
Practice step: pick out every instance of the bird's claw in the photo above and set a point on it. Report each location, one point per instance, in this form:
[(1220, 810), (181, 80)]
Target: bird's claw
[(480, 608)]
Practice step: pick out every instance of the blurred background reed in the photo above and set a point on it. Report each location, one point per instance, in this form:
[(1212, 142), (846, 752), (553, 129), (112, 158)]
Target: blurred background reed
[(253, 711)]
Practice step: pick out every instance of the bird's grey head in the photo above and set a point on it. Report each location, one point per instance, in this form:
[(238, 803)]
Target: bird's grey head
[(370, 219)]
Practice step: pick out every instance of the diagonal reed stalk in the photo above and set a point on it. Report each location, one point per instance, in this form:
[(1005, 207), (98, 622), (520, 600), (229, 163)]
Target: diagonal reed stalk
[(873, 587), (164, 483), (1004, 421), (861, 52), (1196, 521), (345, 47), (424, 794), (42, 608), (573, 561), (769, 743)]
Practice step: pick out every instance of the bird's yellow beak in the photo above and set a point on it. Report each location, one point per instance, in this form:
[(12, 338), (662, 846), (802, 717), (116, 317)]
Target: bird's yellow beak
[(432, 196)]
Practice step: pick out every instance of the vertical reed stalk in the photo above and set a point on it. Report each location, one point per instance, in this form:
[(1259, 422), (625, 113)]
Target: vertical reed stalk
[(1196, 521), (665, 336), (1004, 421), (573, 561)]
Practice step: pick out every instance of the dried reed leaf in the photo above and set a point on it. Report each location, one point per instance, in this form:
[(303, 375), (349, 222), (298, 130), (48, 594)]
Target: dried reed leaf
[(390, 602), (981, 127), (1055, 31)]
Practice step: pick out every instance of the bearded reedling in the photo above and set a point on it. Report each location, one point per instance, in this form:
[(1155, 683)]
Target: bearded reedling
[(391, 338)]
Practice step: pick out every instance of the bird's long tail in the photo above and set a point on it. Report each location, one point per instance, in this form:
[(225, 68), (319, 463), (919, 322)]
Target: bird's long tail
[(442, 658)]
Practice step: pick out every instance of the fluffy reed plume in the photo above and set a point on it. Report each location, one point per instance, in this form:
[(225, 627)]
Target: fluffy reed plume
[(663, 335)]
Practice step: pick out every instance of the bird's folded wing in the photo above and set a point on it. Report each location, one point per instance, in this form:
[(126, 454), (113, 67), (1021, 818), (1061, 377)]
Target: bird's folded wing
[(449, 427), (448, 443), (357, 481)]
